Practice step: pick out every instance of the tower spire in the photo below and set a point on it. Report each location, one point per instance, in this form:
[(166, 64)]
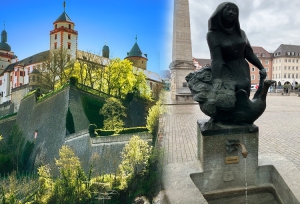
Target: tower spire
[(64, 5), (4, 25), (136, 38)]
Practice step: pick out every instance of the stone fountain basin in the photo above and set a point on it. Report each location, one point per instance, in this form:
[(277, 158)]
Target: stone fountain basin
[(255, 194), (269, 187)]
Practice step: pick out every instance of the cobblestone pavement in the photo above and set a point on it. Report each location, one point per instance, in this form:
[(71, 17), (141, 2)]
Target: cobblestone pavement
[(279, 130)]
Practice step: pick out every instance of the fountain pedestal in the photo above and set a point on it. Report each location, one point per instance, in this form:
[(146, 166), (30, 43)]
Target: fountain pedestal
[(221, 169)]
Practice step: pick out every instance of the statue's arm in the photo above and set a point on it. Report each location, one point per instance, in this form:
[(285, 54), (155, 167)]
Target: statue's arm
[(216, 59), (253, 59)]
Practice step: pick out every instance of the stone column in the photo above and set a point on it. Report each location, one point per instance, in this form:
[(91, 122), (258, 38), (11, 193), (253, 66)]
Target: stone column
[(182, 63)]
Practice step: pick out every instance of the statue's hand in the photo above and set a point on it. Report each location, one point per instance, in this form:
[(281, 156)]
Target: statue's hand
[(217, 84), (263, 73)]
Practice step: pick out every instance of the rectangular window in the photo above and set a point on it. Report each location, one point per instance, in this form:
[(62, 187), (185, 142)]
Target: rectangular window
[(0, 82), (55, 36), (184, 84), (266, 61), (55, 45), (284, 76), (252, 69), (22, 73), (267, 69), (69, 36), (252, 76), (69, 45), (16, 73)]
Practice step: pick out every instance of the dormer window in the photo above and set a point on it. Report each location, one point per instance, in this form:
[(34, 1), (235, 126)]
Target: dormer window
[(293, 53), (288, 53), (69, 26), (55, 26)]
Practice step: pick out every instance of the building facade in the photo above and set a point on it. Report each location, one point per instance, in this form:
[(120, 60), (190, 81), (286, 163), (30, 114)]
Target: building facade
[(286, 65), (266, 60)]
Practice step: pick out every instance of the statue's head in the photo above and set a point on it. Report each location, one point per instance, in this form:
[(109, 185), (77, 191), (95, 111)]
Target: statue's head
[(229, 13), (226, 13)]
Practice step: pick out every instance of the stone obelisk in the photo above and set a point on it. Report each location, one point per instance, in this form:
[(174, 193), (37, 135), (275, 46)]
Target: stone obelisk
[(182, 62)]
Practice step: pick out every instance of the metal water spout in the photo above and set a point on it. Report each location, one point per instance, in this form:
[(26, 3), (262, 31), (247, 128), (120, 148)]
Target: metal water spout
[(232, 145)]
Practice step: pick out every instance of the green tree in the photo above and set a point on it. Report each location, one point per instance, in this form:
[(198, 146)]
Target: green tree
[(45, 184), (70, 187), (113, 112), (11, 151), (135, 156), (89, 69), (118, 78), (57, 68), (141, 88), (153, 117)]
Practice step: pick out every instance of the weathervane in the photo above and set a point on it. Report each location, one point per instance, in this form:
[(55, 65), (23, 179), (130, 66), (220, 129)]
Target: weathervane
[(64, 4), (136, 38)]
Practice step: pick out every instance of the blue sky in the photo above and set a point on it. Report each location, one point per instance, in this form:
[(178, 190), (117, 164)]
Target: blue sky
[(114, 22)]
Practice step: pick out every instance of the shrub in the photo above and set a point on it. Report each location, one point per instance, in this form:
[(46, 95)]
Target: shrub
[(113, 112), (101, 132), (73, 80), (92, 130), (132, 130)]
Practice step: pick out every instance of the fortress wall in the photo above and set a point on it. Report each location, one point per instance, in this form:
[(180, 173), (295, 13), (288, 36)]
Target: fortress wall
[(103, 152), (6, 126), (134, 116), (6, 108), (48, 117), (81, 122)]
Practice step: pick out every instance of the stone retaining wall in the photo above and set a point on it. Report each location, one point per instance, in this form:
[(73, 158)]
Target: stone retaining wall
[(103, 152)]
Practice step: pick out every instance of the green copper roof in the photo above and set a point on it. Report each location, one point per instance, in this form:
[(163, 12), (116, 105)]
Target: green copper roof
[(64, 17), (135, 51), (3, 44)]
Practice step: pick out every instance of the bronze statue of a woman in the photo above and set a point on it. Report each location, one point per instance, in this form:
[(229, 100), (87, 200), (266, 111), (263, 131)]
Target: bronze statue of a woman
[(229, 50)]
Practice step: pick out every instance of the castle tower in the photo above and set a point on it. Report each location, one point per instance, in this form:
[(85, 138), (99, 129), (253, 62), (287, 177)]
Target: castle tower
[(182, 60), (6, 56), (105, 51), (136, 56), (63, 35)]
